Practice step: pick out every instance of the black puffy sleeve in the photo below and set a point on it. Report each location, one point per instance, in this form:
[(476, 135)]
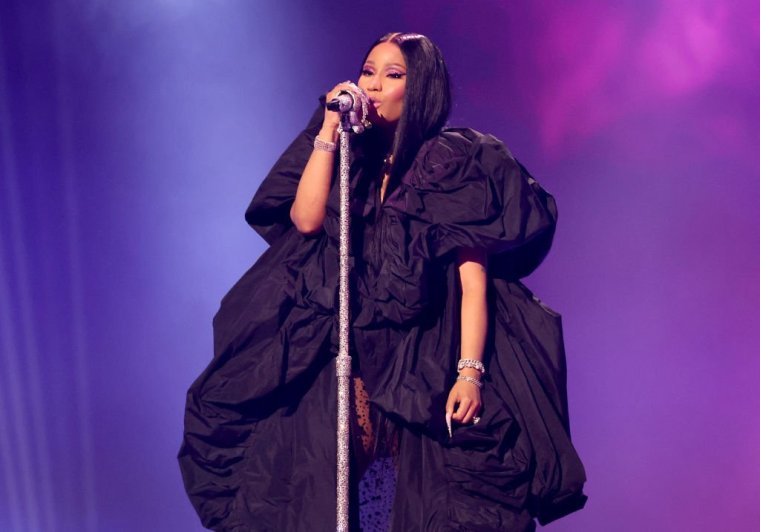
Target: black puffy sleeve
[(466, 190), (269, 211)]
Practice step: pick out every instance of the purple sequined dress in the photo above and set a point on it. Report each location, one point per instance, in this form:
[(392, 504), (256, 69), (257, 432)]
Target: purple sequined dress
[(259, 446)]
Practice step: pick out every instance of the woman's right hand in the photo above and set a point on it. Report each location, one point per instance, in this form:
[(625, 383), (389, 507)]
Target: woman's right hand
[(331, 121)]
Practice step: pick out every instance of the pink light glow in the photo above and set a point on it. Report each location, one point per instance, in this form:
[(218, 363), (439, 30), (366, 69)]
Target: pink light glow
[(606, 63), (687, 47)]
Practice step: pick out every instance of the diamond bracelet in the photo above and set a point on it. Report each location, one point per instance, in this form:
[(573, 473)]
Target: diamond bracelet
[(471, 380), (471, 363), (323, 145)]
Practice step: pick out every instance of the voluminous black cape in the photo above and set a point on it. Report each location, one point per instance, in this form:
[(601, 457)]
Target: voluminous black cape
[(259, 445)]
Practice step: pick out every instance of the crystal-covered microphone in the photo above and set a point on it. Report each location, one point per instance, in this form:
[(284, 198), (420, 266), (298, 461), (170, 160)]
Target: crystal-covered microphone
[(343, 102), (353, 105)]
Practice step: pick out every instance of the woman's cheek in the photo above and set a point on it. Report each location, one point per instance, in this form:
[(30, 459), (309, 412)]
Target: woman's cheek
[(397, 110)]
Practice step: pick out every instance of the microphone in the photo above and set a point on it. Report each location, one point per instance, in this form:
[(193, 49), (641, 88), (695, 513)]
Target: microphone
[(353, 105), (342, 103)]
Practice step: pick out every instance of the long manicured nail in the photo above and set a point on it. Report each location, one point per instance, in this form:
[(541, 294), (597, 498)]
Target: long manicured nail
[(448, 423)]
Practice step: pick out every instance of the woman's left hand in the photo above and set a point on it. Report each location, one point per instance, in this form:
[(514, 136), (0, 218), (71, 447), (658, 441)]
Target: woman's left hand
[(464, 401)]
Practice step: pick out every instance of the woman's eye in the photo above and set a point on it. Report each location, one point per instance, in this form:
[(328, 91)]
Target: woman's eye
[(396, 75), (366, 72)]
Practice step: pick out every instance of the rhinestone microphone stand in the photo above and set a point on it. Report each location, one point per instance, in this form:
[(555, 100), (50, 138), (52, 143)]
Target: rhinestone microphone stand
[(353, 119)]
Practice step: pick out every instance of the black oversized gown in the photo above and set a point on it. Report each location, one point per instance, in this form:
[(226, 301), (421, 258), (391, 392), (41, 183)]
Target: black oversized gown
[(259, 447)]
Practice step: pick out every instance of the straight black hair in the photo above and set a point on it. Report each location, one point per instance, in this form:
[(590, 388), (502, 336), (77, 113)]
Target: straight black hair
[(427, 97)]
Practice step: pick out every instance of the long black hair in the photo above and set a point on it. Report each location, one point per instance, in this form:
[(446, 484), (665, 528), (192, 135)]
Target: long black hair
[(427, 97)]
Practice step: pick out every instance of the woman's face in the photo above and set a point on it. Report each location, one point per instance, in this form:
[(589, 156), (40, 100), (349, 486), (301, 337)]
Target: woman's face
[(383, 77)]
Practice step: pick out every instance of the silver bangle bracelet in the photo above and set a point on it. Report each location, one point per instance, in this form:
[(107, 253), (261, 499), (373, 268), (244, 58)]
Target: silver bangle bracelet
[(323, 145), (471, 363), (471, 380)]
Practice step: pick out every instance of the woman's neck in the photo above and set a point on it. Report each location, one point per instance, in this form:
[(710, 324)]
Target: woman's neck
[(386, 135)]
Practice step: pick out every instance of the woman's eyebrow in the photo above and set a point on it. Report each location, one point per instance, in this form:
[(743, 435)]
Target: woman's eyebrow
[(369, 62)]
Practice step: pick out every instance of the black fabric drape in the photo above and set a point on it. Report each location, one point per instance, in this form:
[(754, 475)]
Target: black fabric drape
[(259, 445)]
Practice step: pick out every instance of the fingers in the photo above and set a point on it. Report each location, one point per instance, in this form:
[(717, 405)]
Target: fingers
[(469, 417), (462, 406), (467, 411), (462, 409), (451, 403), (467, 408), (332, 118), (337, 90)]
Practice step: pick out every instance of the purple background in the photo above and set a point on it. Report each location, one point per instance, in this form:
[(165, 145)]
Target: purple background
[(133, 134)]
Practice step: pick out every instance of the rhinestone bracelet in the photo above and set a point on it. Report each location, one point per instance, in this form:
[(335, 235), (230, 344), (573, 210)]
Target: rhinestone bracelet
[(471, 363), (471, 380), (324, 145)]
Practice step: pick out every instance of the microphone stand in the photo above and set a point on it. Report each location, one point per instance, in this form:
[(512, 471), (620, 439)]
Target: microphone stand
[(343, 362), (353, 119)]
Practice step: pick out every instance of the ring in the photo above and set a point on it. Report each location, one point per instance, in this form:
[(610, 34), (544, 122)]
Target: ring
[(475, 420)]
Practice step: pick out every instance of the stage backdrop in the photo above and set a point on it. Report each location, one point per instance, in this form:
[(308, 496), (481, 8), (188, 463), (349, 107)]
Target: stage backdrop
[(134, 133)]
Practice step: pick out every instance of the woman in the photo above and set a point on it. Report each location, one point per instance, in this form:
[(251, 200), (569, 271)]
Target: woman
[(444, 223)]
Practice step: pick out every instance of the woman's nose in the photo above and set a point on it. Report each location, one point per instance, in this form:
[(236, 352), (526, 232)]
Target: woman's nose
[(374, 83)]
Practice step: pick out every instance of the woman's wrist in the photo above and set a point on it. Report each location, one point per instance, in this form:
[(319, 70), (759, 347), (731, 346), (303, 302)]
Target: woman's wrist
[(471, 380), (328, 133), (470, 372)]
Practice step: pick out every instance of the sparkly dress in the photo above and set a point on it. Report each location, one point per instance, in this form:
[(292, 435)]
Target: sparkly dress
[(259, 445)]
